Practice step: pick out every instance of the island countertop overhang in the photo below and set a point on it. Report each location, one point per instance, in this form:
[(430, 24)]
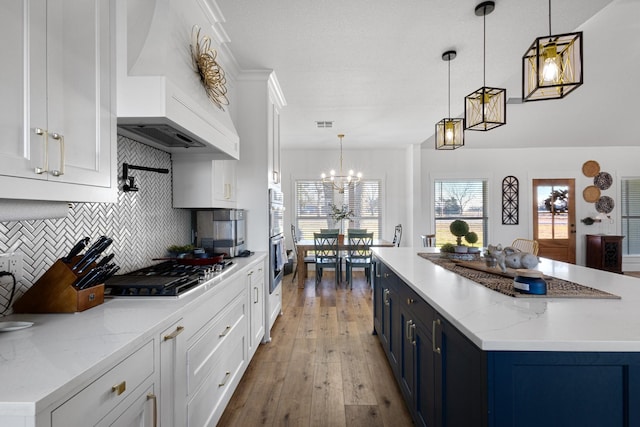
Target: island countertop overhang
[(496, 322)]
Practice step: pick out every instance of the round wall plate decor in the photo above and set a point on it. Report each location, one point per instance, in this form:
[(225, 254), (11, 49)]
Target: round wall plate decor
[(605, 204), (591, 194), (603, 180), (590, 168)]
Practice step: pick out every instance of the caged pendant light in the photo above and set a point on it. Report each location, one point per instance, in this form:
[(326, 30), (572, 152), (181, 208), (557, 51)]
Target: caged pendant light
[(485, 109), (552, 66), (449, 131)]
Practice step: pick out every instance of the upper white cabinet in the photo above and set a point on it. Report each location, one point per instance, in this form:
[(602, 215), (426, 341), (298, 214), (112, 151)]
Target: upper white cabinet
[(273, 133), (58, 101), (202, 182)]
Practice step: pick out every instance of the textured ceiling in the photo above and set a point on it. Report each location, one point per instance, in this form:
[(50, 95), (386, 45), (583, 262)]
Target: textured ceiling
[(375, 68)]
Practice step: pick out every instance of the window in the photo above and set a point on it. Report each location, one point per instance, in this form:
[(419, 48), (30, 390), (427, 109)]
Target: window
[(630, 215), (460, 199), (313, 199)]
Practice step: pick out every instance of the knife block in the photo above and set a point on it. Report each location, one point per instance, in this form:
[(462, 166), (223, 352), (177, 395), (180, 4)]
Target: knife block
[(54, 292)]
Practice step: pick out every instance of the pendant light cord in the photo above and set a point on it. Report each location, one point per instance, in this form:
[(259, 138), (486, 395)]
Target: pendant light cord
[(549, 18), (484, 48), (449, 85)]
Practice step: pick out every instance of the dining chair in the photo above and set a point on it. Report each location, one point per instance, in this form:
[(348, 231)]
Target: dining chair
[(356, 231), (359, 256), (526, 245), (330, 230), (325, 246), (397, 235), (308, 259), (428, 240)]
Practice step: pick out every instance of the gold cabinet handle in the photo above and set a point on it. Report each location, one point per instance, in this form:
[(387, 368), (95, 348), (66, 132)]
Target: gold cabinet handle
[(410, 301), (433, 336), (407, 329), (225, 332), (40, 170), (153, 397), (224, 380), (174, 334), (386, 297), (60, 139), (118, 389), (256, 289), (412, 329)]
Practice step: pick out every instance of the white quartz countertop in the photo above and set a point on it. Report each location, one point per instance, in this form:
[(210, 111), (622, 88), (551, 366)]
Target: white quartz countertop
[(494, 321), (41, 363)]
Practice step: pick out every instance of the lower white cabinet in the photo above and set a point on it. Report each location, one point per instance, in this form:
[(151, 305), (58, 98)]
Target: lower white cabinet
[(217, 354), (111, 394), (173, 369), (183, 374), (256, 290)]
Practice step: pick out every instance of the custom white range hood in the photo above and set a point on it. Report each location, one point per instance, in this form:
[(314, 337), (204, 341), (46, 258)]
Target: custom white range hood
[(160, 99)]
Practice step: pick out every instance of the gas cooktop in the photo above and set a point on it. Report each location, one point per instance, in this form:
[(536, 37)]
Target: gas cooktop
[(166, 279)]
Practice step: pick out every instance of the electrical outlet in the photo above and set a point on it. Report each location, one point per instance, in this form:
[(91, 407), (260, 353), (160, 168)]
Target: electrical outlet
[(12, 263)]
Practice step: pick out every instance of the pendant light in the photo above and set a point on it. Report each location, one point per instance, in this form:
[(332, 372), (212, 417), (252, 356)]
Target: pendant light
[(449, 131), (485, 109), (340, 181), (552, 66)]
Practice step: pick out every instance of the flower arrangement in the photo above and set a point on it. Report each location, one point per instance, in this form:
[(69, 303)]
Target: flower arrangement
[(339, 214)]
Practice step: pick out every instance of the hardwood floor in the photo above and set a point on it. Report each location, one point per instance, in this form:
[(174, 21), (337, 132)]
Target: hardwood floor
[(323, 366)]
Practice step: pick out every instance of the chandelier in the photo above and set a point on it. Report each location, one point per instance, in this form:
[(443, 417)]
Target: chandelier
[(485, 109), (449, 131), (341, 181), (552, 66)]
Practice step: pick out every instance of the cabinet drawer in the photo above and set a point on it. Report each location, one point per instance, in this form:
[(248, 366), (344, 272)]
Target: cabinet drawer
[(416, 306), (203, 354), (206, 406), (212, 305), (101, 396)]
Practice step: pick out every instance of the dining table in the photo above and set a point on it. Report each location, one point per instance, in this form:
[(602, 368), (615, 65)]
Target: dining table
[(307, 245)]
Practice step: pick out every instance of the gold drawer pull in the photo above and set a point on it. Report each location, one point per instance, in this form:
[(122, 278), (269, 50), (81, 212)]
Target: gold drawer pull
[(174, 334), (225, 332), (433, 336), (410, 301), (153, 397), (118, 389), (224, 380)]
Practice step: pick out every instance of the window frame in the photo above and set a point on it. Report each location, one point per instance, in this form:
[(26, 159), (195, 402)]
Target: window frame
[(631, 241)]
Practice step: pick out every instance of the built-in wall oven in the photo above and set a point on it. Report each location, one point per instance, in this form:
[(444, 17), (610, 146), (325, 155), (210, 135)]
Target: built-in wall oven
[(277, 252)]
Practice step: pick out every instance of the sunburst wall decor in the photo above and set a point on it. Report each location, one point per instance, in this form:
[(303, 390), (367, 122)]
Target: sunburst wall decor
[(211, 73)]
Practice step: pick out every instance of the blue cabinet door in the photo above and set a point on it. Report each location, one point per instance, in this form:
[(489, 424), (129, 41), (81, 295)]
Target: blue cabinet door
[(564, 389)]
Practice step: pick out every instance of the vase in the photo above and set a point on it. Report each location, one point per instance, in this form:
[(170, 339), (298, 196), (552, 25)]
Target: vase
[(340, 239)]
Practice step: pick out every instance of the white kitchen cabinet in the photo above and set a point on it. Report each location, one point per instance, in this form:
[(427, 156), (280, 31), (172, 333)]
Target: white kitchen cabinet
[(274, 305), (256, 291), (57, 116), (141, 412), (173, 368), (217, 354), (112, 393), (200, 181), (273, 139)]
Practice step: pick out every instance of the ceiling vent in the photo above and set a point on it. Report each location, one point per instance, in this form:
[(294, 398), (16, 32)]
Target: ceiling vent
[(324, 124)]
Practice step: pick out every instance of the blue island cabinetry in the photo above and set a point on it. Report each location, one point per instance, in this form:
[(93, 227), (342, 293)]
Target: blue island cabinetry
[(447, 380)]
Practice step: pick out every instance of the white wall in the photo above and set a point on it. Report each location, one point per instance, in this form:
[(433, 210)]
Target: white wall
[(390, 166), (526, 165)]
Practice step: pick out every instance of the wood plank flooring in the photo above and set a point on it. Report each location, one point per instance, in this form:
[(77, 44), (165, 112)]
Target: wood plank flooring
[(323, 366)]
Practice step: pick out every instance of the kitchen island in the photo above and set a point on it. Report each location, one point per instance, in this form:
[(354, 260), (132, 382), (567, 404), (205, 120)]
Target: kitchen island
[(129, 360), (467, 355)]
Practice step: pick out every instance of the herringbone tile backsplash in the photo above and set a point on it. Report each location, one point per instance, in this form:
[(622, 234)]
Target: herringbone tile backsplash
[(142, 224)]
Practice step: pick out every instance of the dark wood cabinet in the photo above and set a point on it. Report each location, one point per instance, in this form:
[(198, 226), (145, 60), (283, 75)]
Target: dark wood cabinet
[(604, 252)]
